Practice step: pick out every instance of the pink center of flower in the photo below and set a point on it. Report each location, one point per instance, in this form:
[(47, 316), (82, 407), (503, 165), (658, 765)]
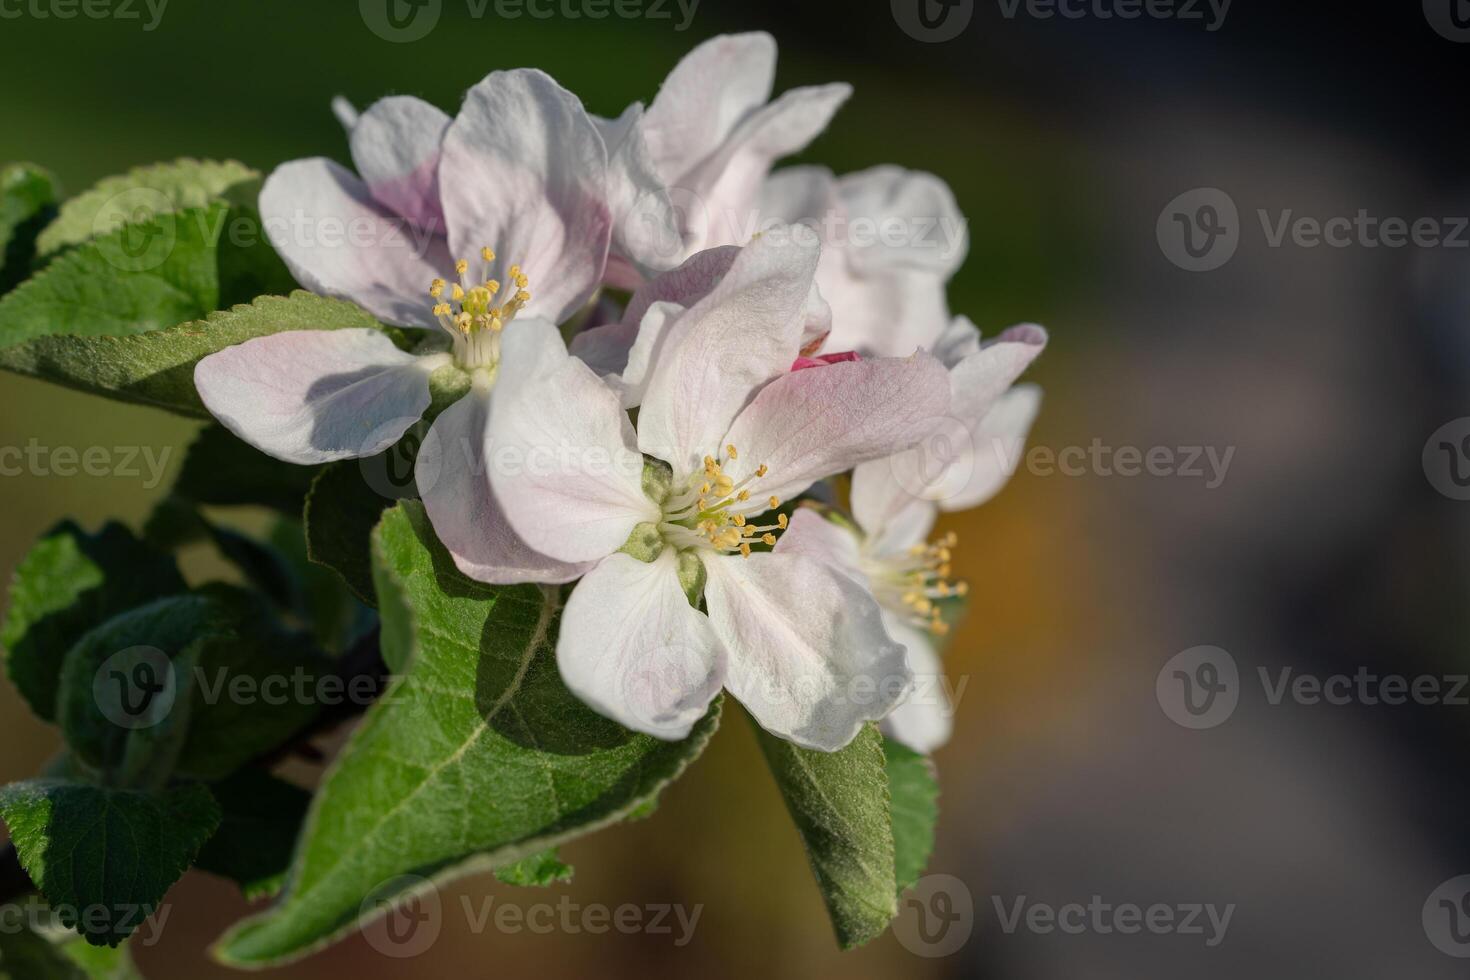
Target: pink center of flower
[(803, 363)]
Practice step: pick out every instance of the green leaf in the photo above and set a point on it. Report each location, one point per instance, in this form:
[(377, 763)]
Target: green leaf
[(477, 757), (321, 598), (157, 368), (144, 192), (139, 278), (914, 792), (34, 947), (222, 471), (27, 202), (105, 857), (102, 962), (69, 582), (839, 802), (125, 687), (538, 870), (262, 816), (341, 512)]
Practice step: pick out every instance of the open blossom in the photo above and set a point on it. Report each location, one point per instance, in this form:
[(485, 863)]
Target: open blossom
[(731, 433), (515, 189), (963, 462), (700, 153)]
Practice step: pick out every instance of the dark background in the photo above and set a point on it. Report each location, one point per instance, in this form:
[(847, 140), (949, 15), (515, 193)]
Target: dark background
[(1325, 549)]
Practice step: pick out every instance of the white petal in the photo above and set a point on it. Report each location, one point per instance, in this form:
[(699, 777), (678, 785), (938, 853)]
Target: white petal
[(645, 237), (525, 172), (633, 648), (807, 653), (978, 380), (902, 219), (310, 396), (925, 719), (450, 472), (744, 333), (707, 94), (338, 241), (892, 516), (888, 315), (395, 145), (729, 182), (999, 441), (563, 466), (959, 340), (822, 540), (809, 425)]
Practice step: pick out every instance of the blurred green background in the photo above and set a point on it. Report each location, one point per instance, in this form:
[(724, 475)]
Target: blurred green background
[(1324, 548)]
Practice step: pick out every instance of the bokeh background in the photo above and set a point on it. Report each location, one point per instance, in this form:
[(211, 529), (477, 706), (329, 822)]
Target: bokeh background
[(1325, 549)]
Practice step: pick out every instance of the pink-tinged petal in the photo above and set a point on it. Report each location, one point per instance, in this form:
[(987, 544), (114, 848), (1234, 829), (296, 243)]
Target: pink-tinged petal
[(645, 238), (891, 505), (346, 113), (311, 396), (803, 194), (925, 718), (822, 540), (707, 94), (525, 172), (338, 241), (452, 470), (999, 441), (824, 360), (653, 333), (811, 425), (729, 183), (634, 650), (808, 656), (902, 219), (724, 348), (978, 380), (563, 466), (395, 145)]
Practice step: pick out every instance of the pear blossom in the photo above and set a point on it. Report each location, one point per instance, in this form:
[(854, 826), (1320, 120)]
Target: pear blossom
[(687, 173), (679, 506), (515, 186)]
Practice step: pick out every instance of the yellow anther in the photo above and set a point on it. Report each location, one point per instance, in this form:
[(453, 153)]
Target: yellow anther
[(744, 550), (761, 470), (493, 286), (768, 538), (456, 292), (487, 253), (743, 496), (730, 451), (436, 288), (774, 501), (462, 266), (739, 520), (724, 485), (704, 488), (443, 309), (781, 521), (515, 272)]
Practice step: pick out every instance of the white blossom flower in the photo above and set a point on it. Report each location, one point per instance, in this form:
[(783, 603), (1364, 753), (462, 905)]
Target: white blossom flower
[(516, 186), (732, 433)]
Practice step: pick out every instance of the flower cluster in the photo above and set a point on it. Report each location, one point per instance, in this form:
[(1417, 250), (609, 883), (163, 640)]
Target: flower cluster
[(735, 346)]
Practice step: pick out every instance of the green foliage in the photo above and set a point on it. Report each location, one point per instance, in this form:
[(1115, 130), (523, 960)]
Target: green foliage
[(69, 582), (27, 203), (341, 512), (839, 801), (261, 816), (914, 791), (537, 870), (481, 715), (144, 192), (105, 857), (219, 470), (157, 367)]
